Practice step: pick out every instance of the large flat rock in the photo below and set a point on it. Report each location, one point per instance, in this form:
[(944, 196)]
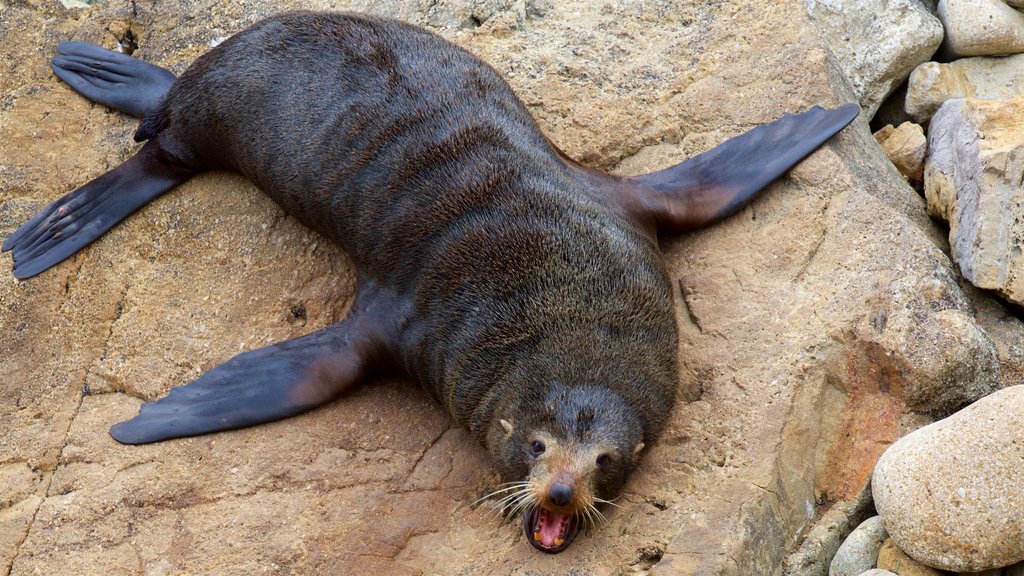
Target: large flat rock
[(813, 324)]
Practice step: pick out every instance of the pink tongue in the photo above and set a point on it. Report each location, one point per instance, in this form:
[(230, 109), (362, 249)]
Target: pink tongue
[(550, 524)]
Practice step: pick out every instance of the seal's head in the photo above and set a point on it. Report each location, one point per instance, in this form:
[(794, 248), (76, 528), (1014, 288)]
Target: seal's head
[(569, 453)]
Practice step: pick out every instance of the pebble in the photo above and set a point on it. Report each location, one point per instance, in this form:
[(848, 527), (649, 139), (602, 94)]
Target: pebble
[(857, 554), (906, 146)]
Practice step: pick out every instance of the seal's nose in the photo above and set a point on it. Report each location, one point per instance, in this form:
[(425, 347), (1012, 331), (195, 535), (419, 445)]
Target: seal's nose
[(560, 494)]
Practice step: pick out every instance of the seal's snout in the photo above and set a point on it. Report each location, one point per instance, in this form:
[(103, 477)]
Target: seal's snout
[(560, 494)]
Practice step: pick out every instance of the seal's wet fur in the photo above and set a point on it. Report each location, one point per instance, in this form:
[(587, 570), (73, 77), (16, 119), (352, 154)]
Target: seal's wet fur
[(524, 291)]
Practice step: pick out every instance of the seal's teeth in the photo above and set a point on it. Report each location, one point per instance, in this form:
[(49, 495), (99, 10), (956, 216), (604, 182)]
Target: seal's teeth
[(559, 542), (537, 535)]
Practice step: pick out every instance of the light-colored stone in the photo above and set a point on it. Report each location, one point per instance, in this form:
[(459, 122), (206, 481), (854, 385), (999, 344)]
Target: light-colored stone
[(813, 323), (981, 27), (877, 42), (906, 146), (892, 558), (932, 83), (949, 493), (878, 572), (859, 551), (973, 180)]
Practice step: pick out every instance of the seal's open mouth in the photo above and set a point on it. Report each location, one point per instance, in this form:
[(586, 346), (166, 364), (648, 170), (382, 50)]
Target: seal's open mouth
[(550, 531)]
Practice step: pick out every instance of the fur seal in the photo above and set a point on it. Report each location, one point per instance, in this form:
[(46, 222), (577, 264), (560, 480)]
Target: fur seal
[(526, 292)]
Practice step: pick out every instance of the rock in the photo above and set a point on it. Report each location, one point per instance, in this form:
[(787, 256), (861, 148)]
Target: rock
[(892, 558), (906, 147), (949, 492), (859, 551), (877, 42), (981, 27), (972, 180), (836, 274), (933, 83), (878, 572)]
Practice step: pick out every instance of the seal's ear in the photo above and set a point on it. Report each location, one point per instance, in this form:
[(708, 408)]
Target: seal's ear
[(717, 183), (506, 426), (637, 450)]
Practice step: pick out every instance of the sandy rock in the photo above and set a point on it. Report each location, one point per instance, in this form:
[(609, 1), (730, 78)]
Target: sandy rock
[(933, 83), (878, 572), (892, 558), (948, 493), (972, 180), (981, 27), (906, 146), (877, 42), (812, 324), (859, 551)]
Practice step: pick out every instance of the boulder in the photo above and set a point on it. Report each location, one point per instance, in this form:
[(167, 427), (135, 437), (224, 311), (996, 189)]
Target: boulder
[(932, 83), (949, 494), (972, 180), (981, 27), (877, 42)]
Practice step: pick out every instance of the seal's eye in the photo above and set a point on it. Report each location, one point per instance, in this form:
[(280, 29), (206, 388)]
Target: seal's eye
[(604, 461), (537, 448)]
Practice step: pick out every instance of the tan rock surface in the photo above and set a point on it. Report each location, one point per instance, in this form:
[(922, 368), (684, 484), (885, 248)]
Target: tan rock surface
[(890, 557), (877, 42), (972, 180), (932, 83), (949, 492), (810, 322)]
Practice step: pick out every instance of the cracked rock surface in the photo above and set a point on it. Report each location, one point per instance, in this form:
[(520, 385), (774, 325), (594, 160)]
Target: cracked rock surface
[(814, 325)]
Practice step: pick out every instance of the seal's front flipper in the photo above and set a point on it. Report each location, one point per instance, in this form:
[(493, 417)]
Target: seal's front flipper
[(83, 215), (260, 386), (119, 81), (717, 183)]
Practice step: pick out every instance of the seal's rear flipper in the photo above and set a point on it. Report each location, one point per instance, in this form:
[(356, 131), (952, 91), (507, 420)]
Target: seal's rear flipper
[(119, 81), (83, 215), (259, 386), (717, 183)]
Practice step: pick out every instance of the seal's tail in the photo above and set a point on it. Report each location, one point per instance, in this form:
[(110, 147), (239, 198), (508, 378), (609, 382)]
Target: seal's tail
[(83, 215), (717, 183), (116, 80)]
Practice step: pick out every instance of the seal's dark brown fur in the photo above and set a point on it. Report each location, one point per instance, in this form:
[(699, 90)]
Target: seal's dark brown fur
[(525, 292)]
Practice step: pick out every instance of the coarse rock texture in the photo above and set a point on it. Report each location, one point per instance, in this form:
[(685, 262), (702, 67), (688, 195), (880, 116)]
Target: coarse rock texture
[(906, 147), (877, 42), (813, 324), (892, 558), (981, 28), (972, 180), (878, 572), (949, 493), (859, 551), (932, 83)]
